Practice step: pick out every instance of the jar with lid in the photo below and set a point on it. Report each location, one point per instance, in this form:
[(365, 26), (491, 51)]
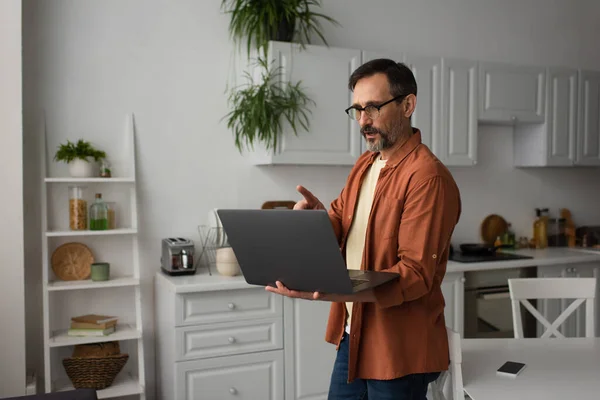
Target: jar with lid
[(77, 208), (98, 214)]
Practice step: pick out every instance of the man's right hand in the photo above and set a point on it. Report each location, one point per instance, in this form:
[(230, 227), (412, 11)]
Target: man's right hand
[(309, 202)]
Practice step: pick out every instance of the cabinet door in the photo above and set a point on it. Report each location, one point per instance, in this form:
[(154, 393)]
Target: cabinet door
[(509, 93), (308, 358), (588, 140), (426, 117), (333, 138), (247, 377), (458, 142), (454, 292), (561, 126)]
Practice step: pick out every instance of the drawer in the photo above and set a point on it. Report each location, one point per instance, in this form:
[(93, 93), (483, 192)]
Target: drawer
[(229, 338), (257, 376), (227, 305)]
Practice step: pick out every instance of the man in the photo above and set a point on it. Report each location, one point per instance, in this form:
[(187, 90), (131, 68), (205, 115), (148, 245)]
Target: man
[(396, 213)]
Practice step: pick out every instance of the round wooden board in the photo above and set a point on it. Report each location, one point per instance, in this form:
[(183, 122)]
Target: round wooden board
[(72, 261), (493, 226)]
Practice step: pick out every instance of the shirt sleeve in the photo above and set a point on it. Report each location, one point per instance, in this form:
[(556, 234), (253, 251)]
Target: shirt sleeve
[(431, 211)]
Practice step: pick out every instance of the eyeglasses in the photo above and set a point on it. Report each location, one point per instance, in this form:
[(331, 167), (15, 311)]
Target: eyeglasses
[(371, 110)]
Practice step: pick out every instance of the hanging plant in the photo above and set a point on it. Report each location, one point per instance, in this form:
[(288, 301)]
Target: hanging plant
[(259, 109), (258, 21)]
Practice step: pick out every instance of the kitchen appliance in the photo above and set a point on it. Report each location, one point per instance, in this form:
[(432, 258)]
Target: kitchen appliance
[(488, 308), (471, 252), (178, 256)]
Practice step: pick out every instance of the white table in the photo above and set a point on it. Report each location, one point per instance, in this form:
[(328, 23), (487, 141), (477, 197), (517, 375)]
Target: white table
[(556, 368)]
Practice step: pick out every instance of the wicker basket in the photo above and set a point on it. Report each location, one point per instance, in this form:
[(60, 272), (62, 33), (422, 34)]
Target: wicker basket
[(94, 372)]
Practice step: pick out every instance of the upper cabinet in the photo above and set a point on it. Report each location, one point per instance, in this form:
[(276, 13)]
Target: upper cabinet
[(333, 138), (551, 143), (588, 138), (555, 111), (458, 132), (510, 93)]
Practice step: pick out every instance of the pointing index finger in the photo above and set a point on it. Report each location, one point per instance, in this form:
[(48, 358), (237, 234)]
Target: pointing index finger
[(307, 194)]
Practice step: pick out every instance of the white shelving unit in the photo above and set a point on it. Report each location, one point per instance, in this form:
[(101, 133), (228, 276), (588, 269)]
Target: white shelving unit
[(119, 296)]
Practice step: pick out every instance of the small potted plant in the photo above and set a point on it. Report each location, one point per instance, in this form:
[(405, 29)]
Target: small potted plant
[(77, 156)]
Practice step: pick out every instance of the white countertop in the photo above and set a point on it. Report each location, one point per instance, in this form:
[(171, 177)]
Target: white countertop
[(203, 282), (543, 257)]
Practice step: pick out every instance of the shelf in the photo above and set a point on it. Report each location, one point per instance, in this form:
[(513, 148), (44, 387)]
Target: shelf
[(89, 180), (123, 332), (124, 231), (123, 385), (90, 284)]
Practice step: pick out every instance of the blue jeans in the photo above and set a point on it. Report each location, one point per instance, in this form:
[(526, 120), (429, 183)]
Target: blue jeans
[(410, 387)]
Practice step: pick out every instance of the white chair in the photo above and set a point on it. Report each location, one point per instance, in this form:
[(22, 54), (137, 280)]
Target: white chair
[(454, 371), (579, 289)]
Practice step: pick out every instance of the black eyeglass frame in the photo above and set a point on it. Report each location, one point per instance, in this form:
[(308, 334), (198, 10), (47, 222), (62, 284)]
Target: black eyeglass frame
[(378, 107)]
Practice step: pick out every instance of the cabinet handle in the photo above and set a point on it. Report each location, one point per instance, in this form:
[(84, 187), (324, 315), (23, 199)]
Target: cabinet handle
[(574, 269), (233, 390), (231, 339), (463, 279), (231, 306), (512, 117)]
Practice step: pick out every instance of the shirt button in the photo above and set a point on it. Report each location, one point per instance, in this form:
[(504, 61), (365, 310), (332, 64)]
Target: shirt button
[(349, 216), (434, 256)]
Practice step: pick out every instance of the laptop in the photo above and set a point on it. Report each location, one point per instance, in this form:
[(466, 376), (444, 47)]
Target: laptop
[(296, 247)]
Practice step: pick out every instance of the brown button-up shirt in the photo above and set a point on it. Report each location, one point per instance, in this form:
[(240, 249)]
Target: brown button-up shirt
[(415, 209)]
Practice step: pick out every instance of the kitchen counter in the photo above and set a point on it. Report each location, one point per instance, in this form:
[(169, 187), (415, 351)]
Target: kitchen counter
[(543, 257), (203, 282)]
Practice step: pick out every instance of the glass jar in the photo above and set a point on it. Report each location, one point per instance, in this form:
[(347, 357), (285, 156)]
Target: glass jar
[(112, 222), (77, 208), (105, 169), (98, 214)]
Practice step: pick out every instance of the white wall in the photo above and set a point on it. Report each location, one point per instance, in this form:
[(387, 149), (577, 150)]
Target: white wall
[(89, 63), (12, 300)]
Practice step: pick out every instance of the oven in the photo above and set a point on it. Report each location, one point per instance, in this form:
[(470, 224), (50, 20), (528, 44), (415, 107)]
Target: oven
[(488, 310)]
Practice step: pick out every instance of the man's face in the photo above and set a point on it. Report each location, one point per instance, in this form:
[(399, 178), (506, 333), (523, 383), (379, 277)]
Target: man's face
[(382, 132)]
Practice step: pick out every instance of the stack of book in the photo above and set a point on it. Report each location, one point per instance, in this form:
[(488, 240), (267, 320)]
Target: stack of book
[(92, 325)]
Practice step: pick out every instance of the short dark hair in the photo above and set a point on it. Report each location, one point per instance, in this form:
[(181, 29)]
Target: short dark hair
[(400, 77)]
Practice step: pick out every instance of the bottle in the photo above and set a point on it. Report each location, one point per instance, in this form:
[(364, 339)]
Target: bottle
[(540, 228), (498, 242), (77, 209), (509, 237), (99, 214)]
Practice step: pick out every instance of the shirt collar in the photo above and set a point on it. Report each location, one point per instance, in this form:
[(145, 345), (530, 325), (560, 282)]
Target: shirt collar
[(400, 154)]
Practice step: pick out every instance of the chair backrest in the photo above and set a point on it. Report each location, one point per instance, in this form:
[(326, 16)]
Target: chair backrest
[(438, 387), (580, 289)]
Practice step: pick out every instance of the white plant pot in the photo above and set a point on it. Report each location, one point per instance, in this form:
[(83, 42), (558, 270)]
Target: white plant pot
[(81, 169)]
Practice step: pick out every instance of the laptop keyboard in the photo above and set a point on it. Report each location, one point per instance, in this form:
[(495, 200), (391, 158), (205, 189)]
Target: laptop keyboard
[(356, 282)]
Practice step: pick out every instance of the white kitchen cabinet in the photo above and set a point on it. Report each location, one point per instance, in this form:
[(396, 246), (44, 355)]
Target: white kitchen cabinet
[(333, 138), (453, 289), (511, 93), (308, 358), (456, 143), (220, 342), (574, 325), (246, 377), (588, 139), (553, 142)]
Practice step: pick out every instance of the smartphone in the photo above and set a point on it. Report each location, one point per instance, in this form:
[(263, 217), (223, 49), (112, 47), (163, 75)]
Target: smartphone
[(511, 369)]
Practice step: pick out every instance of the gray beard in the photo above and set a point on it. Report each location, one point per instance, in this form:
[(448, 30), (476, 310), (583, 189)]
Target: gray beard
[(386, 140)]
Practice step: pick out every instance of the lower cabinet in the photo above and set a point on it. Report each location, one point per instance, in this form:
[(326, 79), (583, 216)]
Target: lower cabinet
[(308, 358), (245, 377)]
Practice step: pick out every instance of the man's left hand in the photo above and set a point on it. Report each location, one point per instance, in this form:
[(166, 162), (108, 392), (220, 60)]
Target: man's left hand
[(363, 296)]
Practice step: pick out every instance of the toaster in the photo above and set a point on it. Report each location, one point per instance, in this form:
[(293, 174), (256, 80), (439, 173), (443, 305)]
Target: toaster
[(177, 256)]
